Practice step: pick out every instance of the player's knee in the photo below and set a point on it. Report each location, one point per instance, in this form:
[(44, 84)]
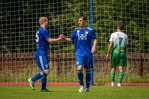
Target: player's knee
[(47, 72), (79, 67), (113, 68), (120, 68)]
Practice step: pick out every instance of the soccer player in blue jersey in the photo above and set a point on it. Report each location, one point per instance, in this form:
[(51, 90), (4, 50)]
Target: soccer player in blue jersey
[(41, 54), (85, 45)]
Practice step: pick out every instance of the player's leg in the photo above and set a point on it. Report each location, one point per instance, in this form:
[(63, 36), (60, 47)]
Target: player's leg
[(113, 68), (44, 78), (88, 64), (112, 75), (41, 61), (92, 74), (38, 75), (44, 81), (120, 76), (79, 63), (88, 79), (44, 84), (122, 63)]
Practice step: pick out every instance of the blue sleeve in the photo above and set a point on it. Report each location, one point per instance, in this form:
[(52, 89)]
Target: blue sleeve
[(93, 35), (73, 36), (46, 34)]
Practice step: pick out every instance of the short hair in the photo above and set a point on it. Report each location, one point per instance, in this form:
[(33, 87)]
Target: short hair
[(82, 16), (42, 19), (120, 26)]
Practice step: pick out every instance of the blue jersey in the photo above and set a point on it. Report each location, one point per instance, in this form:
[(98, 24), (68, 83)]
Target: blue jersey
[(41, 43), (83, 41)]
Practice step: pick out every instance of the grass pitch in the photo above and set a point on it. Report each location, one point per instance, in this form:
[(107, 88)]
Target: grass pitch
[(71, 92)]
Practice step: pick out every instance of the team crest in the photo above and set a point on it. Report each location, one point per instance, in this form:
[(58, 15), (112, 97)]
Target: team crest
[(86, 32)]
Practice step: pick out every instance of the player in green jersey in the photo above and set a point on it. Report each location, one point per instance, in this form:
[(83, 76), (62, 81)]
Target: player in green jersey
[(118, 45)]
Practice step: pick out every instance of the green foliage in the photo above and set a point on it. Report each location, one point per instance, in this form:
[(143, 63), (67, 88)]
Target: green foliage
[(18, 31)]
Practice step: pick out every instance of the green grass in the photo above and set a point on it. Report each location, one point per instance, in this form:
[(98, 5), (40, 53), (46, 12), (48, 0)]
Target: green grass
[(71, 92)]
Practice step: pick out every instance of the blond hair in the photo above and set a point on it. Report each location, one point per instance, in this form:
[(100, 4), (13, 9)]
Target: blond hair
[(42, 19)]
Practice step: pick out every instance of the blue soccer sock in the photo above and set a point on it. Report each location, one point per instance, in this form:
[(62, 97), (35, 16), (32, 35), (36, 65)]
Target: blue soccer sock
[(38, 76), (44, 82), (88, 79), (80, 77), (91, 73)]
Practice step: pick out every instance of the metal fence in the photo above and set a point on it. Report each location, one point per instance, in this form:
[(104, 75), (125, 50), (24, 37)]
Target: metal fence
[(19, 22)]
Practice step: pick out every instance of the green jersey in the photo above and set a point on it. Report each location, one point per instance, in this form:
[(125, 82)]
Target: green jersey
[(119, 40)]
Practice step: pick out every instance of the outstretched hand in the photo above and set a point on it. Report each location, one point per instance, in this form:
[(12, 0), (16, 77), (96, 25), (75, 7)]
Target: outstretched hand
[(62, 36), (93, 50)]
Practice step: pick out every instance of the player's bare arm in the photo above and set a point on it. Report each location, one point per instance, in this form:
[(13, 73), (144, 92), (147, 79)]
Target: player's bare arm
[(109, 49), (65, 38), (51, 40), (94, 46), (68, 40)]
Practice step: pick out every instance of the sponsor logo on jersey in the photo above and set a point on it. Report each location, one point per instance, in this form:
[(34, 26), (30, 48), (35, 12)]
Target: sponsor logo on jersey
[(82, 36)]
